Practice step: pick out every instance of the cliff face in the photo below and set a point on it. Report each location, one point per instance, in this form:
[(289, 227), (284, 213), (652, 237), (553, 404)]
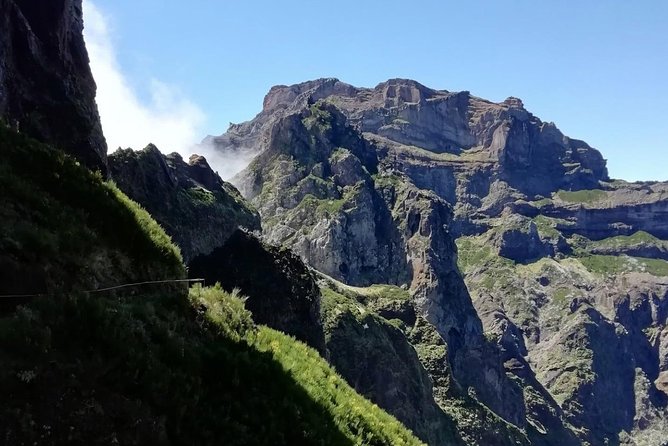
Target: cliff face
[(46, 87), (375, 185)]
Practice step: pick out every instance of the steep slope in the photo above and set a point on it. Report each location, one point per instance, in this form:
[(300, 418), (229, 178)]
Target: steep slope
[(46, 86), (197, 209), (142, 365), (360, 183), (280, 291), (64, 228)]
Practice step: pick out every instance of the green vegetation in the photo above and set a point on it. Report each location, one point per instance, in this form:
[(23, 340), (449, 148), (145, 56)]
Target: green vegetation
[(200, 365), (607, 265), (541, 203), (474, 252), (582, 196), (361, 422), (547, 226), (62, 226), (329, 206), (386, 180), (561, 295), (319, 118), (201, 195), (622, 241), (377, 356), (149, 366)]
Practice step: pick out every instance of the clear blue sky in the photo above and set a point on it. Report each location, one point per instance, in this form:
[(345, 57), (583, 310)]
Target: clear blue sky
[(597, 68)]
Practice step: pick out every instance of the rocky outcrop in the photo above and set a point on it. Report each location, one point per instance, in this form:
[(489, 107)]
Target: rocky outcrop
[(519, 238), (589, 326), (281, 292), (46, 87), (198, 209), (375, 356)]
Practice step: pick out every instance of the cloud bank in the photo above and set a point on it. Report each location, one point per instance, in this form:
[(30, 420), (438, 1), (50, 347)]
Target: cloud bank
[(168, 119)]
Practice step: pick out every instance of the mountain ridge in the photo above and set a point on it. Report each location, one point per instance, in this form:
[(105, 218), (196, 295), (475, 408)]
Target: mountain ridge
[(516, 194)]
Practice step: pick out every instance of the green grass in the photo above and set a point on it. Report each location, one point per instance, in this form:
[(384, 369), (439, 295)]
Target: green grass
[(361, 421), (474, 252), (541, 203), (609, 265), (471, 254), (196, 371), (201, 195), (329, 206), (145, 368), (547, 226), (582, 196), (621, 241), (64, 227), (561, 295)]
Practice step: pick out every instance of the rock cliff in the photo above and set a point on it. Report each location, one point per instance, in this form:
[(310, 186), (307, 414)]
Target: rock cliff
[(46, 87)]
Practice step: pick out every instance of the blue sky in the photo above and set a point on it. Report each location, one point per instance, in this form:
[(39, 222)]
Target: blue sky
[(597, 68)]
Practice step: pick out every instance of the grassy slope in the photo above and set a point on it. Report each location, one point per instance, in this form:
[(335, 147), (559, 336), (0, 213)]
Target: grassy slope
[(63, 227), (150, 368)]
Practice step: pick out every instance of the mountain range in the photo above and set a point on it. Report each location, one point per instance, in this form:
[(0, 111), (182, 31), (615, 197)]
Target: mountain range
[(416, 266)]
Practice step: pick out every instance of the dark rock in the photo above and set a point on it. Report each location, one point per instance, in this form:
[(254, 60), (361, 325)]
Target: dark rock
[(196, 208), (379, 362), (46, 87), (281, 291)]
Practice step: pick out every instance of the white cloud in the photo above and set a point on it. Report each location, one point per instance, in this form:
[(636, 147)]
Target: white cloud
[(169, 120)]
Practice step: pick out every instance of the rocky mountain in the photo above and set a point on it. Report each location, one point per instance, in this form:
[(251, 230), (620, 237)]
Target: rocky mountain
[(542, 278), (425, 260), (46, 86)]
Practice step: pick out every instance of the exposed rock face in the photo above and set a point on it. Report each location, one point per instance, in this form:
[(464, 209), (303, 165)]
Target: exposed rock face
[(517, 238), (616, 208), (374, 185), (473, 153), (281, 291), (376, 358), (198, 209), (46, 87)]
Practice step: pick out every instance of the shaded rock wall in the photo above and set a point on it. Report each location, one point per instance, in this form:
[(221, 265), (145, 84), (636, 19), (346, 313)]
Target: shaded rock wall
[(46, 87)]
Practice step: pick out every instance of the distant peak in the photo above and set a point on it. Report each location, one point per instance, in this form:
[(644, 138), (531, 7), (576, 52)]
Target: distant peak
[(281, 96), (514, 102)]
